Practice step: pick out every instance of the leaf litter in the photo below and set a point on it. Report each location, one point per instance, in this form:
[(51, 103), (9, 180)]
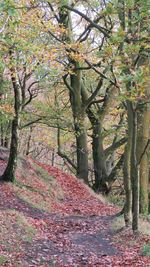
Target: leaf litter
[(73, 230)]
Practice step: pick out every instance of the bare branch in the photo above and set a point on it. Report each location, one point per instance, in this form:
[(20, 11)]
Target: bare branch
[(30, 123), (66, 83), (112, 176), (98, 101), (92, 23), (62, 154), (87, 31), (94, 94), (100, 73), (53, 11), (114, 146)]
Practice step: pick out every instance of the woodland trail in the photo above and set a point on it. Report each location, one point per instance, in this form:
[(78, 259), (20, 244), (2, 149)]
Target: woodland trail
[(77, 232), (73, 241)]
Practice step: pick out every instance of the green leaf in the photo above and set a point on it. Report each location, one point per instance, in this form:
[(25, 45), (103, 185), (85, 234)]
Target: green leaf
[(12, 12), (2, 6)]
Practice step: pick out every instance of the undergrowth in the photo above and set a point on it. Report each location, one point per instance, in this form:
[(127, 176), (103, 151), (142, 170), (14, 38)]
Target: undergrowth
[(118, 223), (146, 250)]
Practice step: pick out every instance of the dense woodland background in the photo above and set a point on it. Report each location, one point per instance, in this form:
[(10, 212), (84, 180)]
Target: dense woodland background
[(74, 93)]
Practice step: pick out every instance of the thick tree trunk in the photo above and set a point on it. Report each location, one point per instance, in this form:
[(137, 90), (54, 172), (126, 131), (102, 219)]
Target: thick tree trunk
[(143, 157), (127, 169), (97, 147), (127, 186), (131, 175), (29, 141), (82, 150), (144, 185), (134, 173), (96, 117), (143, 151), (79, 126), (78, 108), (98, 158), (9, 173)]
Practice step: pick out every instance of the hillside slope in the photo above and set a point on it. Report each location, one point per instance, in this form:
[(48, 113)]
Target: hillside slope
[(49, 218)]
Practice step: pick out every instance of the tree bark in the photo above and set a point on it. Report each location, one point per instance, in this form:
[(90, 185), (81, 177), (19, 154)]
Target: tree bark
[(82, 150), (98, 158), (9, 173), (127, 187), (143, 138), (27, 152), (127, 169), (134, 173), (79, 126), (97, 147), (77, 106), (143, 150)]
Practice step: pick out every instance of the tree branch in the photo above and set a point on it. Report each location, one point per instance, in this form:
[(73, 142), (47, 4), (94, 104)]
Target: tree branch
[(98, 101), (87, 31), (94, 94), (114, 146), (102, 75), (66, 83), (92, 23), (53, 11), (30, 123), (112, 176), (62, 154)]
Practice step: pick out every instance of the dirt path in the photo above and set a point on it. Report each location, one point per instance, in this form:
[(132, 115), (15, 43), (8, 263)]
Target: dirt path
[(62, 240), (75, 233), (73, 241)]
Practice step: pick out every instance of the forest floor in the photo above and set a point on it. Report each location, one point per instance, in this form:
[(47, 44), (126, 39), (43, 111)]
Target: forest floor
[(51, 219)]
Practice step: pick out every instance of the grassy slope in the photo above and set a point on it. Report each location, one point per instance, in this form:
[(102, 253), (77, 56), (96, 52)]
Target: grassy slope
[(33, 188)]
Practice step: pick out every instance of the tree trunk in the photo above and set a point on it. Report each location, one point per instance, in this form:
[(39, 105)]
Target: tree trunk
[(97, 146), (2, 136), (27, 152), (127, 170), (143, 151), (98, 158), (127, 186), (131, 175), (143, 138), (134, 173), (81, 140), (82, 150), (96, 117), (79, 115), (78, 108), (7, 135), (53, 157), (9, 173)]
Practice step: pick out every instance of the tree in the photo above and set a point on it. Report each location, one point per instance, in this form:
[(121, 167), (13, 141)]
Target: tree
[(79, 95), (19, 52), (132, 23)]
